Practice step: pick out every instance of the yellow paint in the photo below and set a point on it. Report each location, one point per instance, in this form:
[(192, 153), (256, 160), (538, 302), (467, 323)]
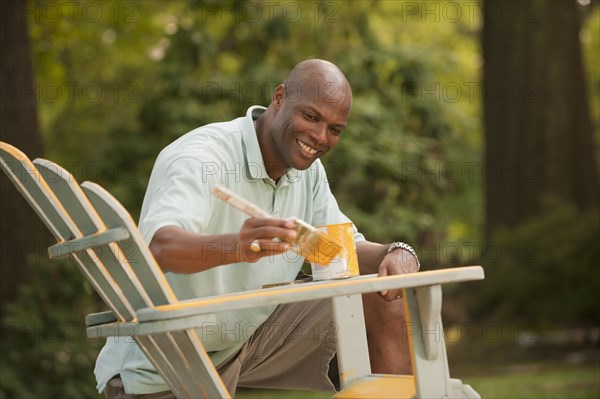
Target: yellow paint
[(407, 317), (380, 387), (413, 280), (345, 264), (345, 375)]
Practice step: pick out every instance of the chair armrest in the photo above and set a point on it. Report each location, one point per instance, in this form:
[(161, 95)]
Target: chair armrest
[(94, 319), (188, 314), (113, 329)]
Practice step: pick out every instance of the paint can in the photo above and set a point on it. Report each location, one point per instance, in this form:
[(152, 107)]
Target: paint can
[(346, 263)]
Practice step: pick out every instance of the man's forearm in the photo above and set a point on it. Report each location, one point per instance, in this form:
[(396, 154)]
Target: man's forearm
[(179, 251)]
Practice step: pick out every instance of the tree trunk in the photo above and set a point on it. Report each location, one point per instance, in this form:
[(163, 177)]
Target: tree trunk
[(23, 237), (538, 130)]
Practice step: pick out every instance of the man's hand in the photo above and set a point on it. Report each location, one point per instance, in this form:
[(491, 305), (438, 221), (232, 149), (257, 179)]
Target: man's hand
[(260, 237), (399, 261)]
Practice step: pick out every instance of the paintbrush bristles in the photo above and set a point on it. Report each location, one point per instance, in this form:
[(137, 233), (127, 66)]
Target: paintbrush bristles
[(314, 245)]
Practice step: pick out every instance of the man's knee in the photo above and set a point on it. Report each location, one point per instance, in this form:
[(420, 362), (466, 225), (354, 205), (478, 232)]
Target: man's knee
[(380, 313)]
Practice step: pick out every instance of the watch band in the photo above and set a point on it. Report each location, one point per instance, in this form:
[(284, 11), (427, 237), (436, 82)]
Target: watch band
[(406, 247)]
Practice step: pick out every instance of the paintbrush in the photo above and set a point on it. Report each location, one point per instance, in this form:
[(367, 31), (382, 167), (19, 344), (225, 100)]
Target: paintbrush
[(309, 242)]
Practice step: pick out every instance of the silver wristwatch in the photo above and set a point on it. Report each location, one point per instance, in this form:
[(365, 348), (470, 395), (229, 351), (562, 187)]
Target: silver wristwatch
[(406, 247)]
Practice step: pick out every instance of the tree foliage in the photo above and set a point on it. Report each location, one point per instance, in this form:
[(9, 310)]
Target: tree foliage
[(202, 62), (45, 351), (545, 272)]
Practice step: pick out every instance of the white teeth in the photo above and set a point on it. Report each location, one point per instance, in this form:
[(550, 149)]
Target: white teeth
[(307, 149)]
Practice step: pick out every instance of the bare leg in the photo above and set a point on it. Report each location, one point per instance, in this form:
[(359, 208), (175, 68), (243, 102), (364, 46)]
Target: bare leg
[(386, 335)]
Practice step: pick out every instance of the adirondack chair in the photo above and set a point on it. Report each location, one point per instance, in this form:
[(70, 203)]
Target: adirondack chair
[(93, 227)]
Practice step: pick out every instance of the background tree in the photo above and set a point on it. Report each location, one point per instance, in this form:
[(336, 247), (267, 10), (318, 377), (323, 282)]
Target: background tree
[(542, 182), (538, 129), (23, 236)]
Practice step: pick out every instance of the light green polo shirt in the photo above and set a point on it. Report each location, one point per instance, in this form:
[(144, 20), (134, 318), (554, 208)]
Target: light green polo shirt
[(179, 194)]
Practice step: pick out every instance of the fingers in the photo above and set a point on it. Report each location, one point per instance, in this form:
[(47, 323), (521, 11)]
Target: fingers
[(261, 237), (392, 295), (259, 249), (383, 271), (268, 229), (267, 247), (391, 268)]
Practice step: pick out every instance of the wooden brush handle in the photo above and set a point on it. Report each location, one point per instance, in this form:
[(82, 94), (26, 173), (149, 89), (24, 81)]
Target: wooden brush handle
[(239, 202)]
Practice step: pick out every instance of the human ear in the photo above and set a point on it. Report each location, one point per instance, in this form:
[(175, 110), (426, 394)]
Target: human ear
[(278, 95)]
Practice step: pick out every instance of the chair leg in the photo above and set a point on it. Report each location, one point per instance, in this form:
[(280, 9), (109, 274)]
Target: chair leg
[(460, 390), (352, 350), (426, 336)]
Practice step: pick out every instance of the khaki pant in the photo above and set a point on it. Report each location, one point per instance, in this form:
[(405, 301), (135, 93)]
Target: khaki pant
[(290, 350)]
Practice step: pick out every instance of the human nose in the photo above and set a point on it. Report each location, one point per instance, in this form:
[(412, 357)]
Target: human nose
[(319, 134)]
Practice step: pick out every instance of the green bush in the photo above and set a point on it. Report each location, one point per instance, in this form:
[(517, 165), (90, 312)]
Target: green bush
[(45, 350), (546, 271)]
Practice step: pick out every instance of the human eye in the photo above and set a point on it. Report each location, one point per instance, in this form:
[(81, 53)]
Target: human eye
[(336, 130), (309, 116)]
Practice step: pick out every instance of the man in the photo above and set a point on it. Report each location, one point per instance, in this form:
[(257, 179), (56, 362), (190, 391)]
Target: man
[(271, 157)]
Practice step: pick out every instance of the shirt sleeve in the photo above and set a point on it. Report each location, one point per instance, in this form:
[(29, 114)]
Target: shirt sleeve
[(178, 195)]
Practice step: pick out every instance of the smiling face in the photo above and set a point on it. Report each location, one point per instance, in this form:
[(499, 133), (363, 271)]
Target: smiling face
[(308, 113)]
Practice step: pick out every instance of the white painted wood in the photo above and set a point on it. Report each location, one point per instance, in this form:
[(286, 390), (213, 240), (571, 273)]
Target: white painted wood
[(429, 303), (94, 319), (66, 248), (352, 350), (432, 377), (460, 390), (153, 319)]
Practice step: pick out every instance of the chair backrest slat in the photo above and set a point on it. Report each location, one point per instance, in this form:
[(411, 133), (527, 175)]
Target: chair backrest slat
[(134, 249), (126, 283), (36, 190), (65, 188), (103, 283), (107, 258), (33, 187), (125, 274)]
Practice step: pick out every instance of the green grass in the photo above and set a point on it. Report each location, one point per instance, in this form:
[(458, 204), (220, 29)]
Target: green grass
[(558, 382)]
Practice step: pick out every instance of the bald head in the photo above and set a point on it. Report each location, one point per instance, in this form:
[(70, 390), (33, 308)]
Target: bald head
[(305, 118), (318, 80)]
